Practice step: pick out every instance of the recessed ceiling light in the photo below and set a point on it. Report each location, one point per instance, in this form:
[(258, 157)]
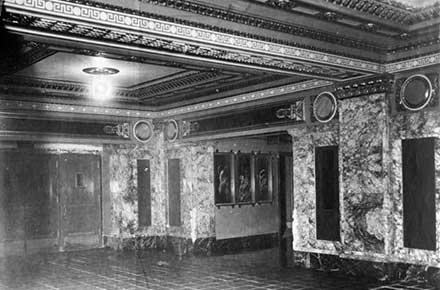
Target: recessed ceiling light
[(101, 71)]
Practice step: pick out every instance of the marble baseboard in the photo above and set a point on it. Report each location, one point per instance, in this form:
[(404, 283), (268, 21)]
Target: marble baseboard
[(203, 246), (251, 243), (382, 271)]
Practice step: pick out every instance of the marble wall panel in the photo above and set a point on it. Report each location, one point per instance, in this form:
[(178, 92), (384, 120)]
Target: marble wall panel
[(304, 140), (123, 188), (363, 147), (406, 126), (197, 192), (370, 160)]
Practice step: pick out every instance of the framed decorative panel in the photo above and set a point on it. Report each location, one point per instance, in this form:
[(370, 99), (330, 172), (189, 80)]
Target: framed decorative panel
[(224, 178), (325, 107), (417, 92), (171, 130), (143, 131), (244, 183), (263, 178)]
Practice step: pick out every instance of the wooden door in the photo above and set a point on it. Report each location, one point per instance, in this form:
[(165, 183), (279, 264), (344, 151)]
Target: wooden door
[(28, 202), (80, 199), (40, 201), (12, 233)]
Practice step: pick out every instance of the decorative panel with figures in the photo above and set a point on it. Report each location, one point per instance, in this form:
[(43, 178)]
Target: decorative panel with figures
[(243, 178)]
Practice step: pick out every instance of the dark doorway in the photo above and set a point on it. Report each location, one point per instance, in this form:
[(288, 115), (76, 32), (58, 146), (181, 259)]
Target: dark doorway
[(286, 207)]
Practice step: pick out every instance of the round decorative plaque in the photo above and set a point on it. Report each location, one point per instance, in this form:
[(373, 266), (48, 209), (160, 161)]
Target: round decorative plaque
[(171, 130), (325, 107), (142, 131), (416, 92)]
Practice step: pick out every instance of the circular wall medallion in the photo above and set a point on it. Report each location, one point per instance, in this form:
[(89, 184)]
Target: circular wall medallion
[(171, 130), (143, 131), (416, 92), (325, 107)]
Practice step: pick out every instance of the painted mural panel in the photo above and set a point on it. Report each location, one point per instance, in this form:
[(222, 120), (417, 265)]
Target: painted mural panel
[(263, 178), (244, 178), (223, 178)]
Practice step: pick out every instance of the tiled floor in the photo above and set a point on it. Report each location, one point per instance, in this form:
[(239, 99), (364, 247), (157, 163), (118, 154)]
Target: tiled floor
[(107, 269)]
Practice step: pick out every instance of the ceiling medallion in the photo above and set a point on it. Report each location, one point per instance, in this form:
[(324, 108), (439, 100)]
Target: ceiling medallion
[(100, 71)]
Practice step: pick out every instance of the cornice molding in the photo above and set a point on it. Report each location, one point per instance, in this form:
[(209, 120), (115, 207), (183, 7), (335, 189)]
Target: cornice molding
[(248, 97), (249, 50), (241, 18), (380, 84), (9, 105), (74, 109), (415, 63), (390, 10)]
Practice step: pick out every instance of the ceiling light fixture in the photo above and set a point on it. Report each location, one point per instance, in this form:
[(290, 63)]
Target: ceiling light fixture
[(101, 71), (100, 85), (100, 89)]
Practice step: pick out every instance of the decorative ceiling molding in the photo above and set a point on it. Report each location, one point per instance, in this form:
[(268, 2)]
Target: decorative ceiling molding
[(413, 63), (243, 98), (377, 84), (238, 99), (394, 11), (74, 109), (34, 53), (241, 49), (241, 18)]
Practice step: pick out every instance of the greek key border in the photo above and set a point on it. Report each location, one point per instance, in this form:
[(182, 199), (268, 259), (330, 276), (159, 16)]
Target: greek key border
[(59, 8)]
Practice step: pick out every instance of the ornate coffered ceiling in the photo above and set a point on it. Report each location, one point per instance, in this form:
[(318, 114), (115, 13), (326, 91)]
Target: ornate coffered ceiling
[(179, 56)]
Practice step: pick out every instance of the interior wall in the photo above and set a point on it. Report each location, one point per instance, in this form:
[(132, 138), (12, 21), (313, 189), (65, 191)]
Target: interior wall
[(405, 126), (120, 190), (199, 216), (370, 178), (248, 220), (197, 194)]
